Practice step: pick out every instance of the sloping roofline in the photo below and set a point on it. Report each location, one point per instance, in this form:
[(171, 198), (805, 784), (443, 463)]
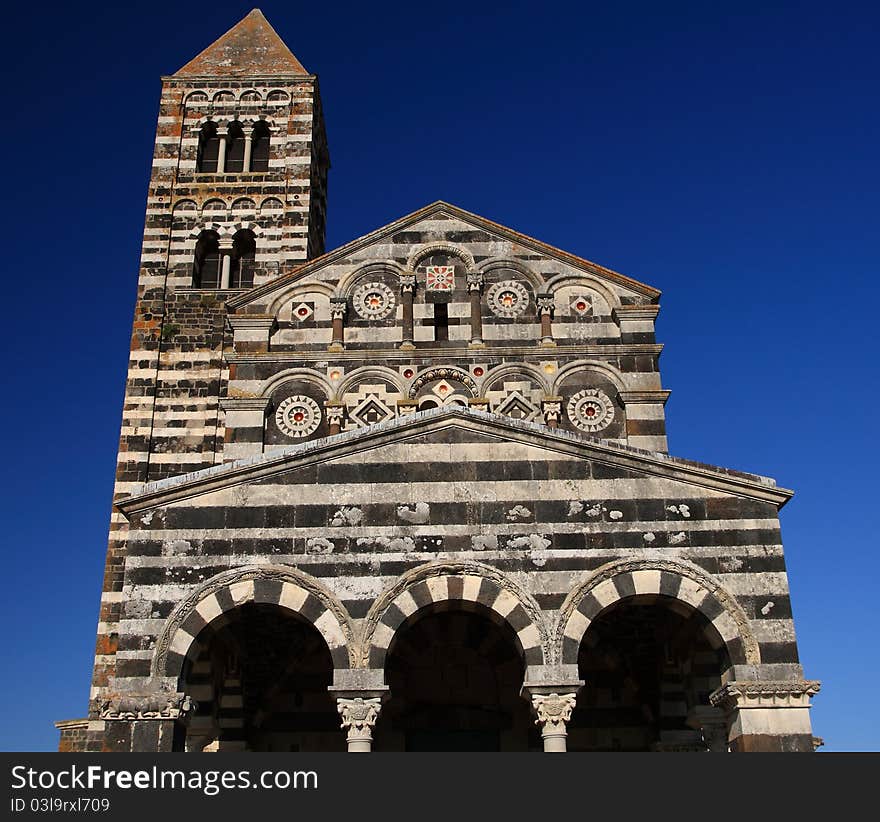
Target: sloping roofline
[(454, 211), (173, 489)]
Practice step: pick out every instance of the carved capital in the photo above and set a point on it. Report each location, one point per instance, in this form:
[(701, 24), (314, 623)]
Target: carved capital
[(335, 411), (546, 303), (474, 281), (359, 716), (338, 307), (552, 409), (744, 694), (553, 711), (408, 281), (157, 705)]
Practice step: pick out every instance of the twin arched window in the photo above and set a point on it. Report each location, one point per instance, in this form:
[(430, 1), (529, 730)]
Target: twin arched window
[(240, 149), (217, 266)]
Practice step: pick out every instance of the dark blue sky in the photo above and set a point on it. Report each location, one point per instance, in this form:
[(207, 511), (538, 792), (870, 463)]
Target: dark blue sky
[(724, 153)]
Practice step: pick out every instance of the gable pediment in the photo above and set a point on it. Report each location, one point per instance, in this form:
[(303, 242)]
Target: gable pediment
[(438, 224), (430, 443)]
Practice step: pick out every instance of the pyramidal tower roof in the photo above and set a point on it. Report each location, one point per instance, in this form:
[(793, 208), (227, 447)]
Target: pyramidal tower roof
[(251, 46)]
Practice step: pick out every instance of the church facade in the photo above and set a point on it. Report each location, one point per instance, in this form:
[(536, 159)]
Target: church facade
[(413, 493)]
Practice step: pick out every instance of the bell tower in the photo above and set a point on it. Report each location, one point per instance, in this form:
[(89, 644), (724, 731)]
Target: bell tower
[(237, 197)]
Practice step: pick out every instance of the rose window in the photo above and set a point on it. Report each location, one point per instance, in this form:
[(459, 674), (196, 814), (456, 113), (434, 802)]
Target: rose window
[(298, 416), (590, 410)]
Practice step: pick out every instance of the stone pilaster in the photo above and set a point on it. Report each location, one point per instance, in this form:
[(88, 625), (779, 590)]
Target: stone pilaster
[(338, 307), (766, 715), (475, 288), (245, 424), (407, 293), (546, 304)]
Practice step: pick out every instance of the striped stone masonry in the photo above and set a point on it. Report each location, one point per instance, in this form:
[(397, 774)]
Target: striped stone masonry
[(442, 420)]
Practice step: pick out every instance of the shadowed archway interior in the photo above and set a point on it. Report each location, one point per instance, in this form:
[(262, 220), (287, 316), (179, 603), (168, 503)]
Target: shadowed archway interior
[(260, 681), (454, 679), (648, 662)]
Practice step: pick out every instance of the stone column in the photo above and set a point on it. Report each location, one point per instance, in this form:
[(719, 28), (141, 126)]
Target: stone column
[(475, 287), (552, 409), (222, 133), (225, 244), (767, 715), (554, 712), (338, 307), (335, 413), (359, 716), (407, 291), (248, 146), (546, 304)]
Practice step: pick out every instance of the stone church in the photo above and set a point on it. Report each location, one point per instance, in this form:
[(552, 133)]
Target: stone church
[(413, 493)]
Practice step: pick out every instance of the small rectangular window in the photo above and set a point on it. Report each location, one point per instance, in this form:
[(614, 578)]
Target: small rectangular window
[(441, 321)]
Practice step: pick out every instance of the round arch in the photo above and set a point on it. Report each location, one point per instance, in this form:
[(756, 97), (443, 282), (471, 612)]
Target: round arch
[(312, 286), (534, 279), (379, 372), (283, 586), (349, 280), (468, 583), (604, 368), (562, 280), (510, 370), (432, 248), (288, 375), (658, 577)]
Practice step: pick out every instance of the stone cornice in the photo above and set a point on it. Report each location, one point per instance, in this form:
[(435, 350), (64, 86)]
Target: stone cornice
[(631, 397), (245, 403), (251, 321), (320, 355), (765, 694), (173, 489), (635, 312)]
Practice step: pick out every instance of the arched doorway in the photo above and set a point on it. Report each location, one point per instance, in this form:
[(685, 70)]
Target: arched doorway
[(260, 679), (454, 678), (649, 664)]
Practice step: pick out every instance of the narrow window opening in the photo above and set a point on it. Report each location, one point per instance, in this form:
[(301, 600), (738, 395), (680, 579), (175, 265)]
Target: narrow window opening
[(206, 268), (260, 147), (441, 321), (209, 149), (244, 251), (235, 149)]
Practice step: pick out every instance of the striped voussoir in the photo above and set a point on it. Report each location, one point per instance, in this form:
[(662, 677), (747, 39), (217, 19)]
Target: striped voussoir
[(469, 586), (728, 623), (214, 601)]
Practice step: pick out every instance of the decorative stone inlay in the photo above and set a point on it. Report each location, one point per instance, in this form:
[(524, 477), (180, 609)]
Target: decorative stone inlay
[(440, 277), (161, 705), (553, 711), (373, 301), (359, 716), (590, 410), (298, 416), (302, 312), (508, 298), (582, 306)]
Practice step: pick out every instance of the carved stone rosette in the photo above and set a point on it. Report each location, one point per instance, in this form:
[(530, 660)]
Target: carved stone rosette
[(553, 712), (130, 706), (359, 716)]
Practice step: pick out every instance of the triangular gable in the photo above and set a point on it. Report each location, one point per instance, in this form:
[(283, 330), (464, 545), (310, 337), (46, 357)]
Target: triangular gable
[(251, 47), (437, 422), (436, 208)]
